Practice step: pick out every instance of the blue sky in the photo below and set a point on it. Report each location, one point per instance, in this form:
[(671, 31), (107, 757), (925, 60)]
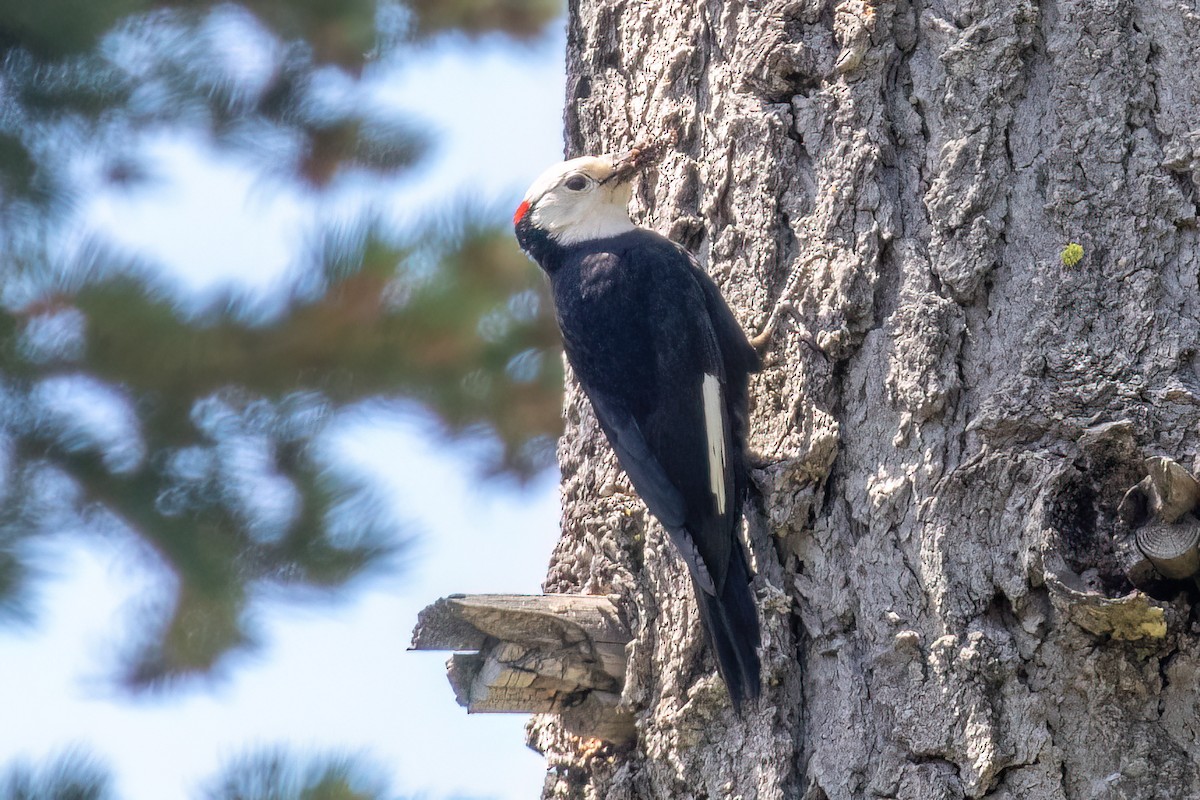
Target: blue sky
[(497, 110)]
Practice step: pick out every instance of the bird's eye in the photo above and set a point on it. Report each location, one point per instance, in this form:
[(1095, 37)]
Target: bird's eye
[(576, 183)]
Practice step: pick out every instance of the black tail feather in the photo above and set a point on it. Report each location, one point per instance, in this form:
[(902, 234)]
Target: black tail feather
[(731, 625)]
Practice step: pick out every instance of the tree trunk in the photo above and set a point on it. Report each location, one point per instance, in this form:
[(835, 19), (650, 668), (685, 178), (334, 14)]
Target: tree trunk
[(945, 582)]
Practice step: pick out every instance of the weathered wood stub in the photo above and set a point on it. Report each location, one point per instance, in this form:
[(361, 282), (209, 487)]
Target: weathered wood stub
[(561, 654), (942, 569)]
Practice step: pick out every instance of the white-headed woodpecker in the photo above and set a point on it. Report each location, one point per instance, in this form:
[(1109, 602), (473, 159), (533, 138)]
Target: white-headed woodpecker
[(665, 365)]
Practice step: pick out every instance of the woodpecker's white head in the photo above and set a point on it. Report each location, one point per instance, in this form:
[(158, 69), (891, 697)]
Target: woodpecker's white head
[(585, 198), (582, 199)]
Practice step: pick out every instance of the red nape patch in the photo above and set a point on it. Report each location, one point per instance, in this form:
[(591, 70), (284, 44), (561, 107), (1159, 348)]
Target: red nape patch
[(522, 210)]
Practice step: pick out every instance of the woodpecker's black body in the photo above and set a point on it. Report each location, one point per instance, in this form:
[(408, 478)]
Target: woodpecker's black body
[(644, 327)]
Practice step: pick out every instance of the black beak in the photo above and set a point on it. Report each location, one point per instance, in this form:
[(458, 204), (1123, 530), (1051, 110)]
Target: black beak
[(625, 166), (635, 159)]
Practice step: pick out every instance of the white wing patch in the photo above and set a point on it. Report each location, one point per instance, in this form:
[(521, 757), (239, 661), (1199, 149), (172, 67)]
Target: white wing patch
[(714, 428)]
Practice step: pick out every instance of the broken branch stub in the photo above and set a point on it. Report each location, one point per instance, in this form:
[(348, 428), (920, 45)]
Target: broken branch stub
[(562, 654), (1171, 548), (1159, 507), (1175, 490)]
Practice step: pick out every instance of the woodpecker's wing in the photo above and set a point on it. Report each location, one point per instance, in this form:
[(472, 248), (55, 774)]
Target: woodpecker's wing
[(736, 350), (739, 359), (643, 344)]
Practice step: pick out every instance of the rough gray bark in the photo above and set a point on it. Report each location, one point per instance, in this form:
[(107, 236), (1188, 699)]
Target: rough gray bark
[(937, 542)]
